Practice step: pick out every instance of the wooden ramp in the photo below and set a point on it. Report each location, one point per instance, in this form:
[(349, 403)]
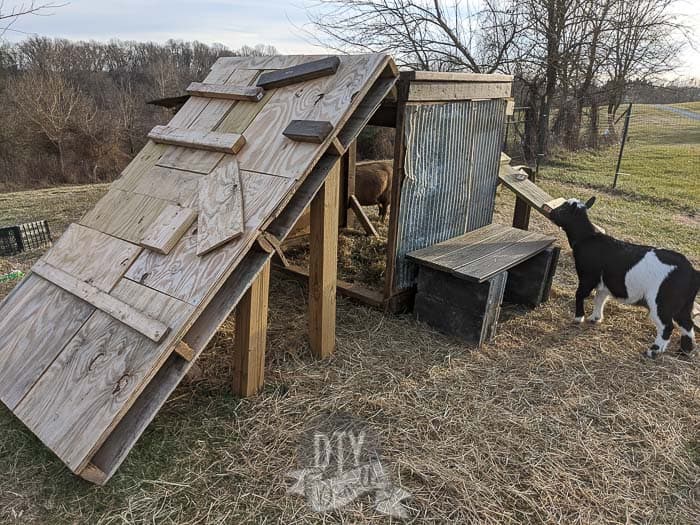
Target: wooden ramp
[(96, 338)]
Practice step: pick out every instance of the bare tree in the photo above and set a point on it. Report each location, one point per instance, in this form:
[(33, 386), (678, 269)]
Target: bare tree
[(8, 17)]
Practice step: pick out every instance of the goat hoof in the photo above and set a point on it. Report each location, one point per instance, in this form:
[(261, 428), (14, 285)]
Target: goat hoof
[(687, 346), (578, 320), (653, 352), (595, 320)]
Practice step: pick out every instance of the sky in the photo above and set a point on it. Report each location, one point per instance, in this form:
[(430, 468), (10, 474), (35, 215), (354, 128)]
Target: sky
[(233, 23)]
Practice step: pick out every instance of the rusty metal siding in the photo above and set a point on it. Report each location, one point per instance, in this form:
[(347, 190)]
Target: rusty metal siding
[(451, 167)]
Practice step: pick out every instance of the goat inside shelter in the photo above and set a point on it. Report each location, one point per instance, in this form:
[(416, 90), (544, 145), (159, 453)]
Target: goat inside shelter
[(662, 280)]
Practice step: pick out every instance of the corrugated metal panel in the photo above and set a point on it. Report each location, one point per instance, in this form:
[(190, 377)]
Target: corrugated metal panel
[(452, 158)]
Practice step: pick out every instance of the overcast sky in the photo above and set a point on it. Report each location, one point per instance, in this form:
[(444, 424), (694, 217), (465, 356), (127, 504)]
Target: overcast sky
[(233, 23)]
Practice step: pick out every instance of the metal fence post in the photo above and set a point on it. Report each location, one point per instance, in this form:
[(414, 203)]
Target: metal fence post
[(625, 129)]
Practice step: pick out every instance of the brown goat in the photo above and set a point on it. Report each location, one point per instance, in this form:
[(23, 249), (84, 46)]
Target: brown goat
[(373, 184)]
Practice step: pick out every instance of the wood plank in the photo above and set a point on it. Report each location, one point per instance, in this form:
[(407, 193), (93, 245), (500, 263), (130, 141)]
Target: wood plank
[(92, 256), (251, 337), (216, 110), (455, 76), (436, 251), (323, 266), (197, 161), (145, 325), (185, 351), (518, 182), (447, 91), (299, 73), (267, 62), (168, 228), (548, 206), (176, 186), (192, 138), (220, 208), (269, 151), (362, 217), (242, 114), (124, 214), (98, 376), (314, 131), (500, 260), (36, 322), (185, 275), (141, 164), (226, 92)]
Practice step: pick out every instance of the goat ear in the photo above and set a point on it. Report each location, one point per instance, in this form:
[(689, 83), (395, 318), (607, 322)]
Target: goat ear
[(590, 202)]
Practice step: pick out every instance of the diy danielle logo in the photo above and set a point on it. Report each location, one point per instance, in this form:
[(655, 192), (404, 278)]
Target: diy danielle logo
[(340, 458)]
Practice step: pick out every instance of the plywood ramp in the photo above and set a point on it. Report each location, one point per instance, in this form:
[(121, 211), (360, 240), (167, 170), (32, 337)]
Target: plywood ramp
[(93, 342)]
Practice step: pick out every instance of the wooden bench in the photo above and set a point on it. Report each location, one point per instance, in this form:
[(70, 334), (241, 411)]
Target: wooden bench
[(463, 281)]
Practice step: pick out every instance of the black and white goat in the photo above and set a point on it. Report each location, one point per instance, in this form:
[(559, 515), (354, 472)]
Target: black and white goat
[(662, 280)]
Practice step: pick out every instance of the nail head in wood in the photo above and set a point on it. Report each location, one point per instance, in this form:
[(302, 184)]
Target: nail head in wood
[(314, 131), (301, 73)]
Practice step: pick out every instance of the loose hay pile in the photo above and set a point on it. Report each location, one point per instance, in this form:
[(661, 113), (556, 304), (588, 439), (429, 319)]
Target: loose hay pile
[(549, 423)]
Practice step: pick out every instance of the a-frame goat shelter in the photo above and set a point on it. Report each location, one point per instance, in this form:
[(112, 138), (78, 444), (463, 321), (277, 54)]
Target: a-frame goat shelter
[(110, 319)]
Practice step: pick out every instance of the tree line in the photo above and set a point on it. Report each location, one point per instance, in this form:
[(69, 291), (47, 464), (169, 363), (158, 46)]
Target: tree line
[(574, 61), (77, 112)]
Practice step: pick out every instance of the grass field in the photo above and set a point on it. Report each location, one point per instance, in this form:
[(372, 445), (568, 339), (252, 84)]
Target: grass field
[(549, 423)]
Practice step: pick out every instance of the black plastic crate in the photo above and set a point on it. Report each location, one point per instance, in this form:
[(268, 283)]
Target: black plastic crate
[(11, 240), (27, 236)]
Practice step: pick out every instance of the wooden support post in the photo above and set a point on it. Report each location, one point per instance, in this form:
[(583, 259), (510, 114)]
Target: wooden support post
[(251, 332), (323, 265), (521, 213), (347, 185)]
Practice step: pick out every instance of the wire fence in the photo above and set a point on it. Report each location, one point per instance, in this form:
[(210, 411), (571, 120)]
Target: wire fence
[(642, 141)]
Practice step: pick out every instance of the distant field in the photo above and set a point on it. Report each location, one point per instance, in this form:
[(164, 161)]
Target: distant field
[(661, 160), (693, 106)]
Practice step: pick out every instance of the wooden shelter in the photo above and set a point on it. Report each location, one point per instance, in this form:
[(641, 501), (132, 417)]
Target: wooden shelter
[(97, 336)]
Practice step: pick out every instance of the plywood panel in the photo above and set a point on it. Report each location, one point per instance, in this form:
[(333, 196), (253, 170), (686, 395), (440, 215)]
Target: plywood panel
[(97, 376), (268, 151), (242, 114), (176, 186), (186, 276), (124, 214), (198, 161), (142, 163), (92, 256), (36, 323), (220, 208)]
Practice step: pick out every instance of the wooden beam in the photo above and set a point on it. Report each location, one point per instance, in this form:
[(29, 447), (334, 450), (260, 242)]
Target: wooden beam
[(226, 92), (300, 73), (168, 228), (198, 139), (185, 351), (323, 265), (362, 217), (251, 334), (313, 131), (125, 313), (437, 91), (347, 185), (220, 208)]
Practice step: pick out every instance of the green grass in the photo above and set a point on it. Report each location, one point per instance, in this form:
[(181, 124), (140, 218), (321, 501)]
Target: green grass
[(661, 162), (693, 106)]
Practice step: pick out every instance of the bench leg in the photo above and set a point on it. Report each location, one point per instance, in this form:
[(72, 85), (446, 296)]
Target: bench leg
[(529, 283), (457, 307), (323, 266), (251, 336)]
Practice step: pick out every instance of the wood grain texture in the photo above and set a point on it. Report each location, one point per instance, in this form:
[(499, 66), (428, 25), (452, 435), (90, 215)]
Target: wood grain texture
[(168, 228), (323, 266), (326, 99), (92, 256), (141, 164), (314, 131), (124, 214), (188, 277), (97, 377), (450, 91), (226, 92), (266, 62), (299, 73), (251, 337), (119, 310), (178, 187), (242, 114), (197, 161), (455, 76), (35, 324), (192, 138), (220, 217)]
